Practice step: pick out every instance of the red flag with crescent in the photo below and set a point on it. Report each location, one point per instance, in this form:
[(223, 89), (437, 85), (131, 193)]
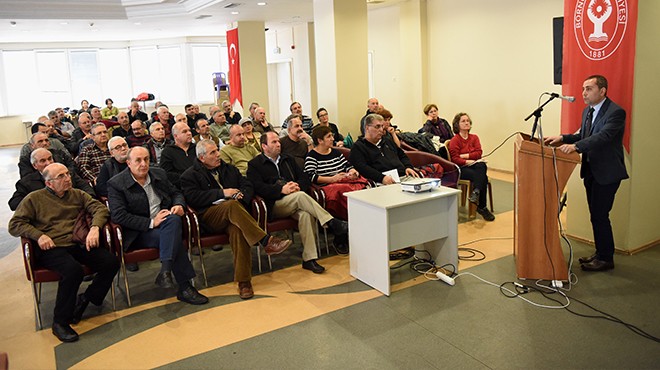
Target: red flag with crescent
[(599, 38), (235, 92)]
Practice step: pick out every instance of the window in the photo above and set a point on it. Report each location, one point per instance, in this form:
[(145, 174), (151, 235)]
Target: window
[(85, 83), (172, 87), (115, 71), (206, 59), (20, 82)]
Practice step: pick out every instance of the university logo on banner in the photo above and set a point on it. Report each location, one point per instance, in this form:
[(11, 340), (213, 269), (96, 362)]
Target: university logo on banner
[(235, 91), (599, 38)]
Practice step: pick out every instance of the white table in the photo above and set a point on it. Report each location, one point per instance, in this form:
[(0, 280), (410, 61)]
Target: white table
[(385, 218)]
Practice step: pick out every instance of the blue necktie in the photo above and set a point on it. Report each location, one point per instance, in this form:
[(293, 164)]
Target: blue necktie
[(587, 123)]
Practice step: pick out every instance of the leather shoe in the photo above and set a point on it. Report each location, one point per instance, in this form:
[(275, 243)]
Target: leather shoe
[(64, 333), (132, 267), (474, 196), (192, 296), (81, 305), (276, 245), (338, 227), (485, 213), (245, 290), (341, 248), (597, 265), (588, 259), (313, 266), (164, 280), (217, 248)]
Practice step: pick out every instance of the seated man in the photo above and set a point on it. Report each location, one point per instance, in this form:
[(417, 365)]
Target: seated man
[(113, 165), (135, 112), (139, 134), (65, 123), (39, 159), (179, 156), (81, 133), (163, 116), (232, 117), (372, 155), (210, 180), (123, 127), (41, 127), (48, 216), (236, 152), (278, 179), (204, 132), (149, 209), (219, 126), (92, 157), (297, 142), (306, 121), (259, 120), (157, 143), (40, 140)]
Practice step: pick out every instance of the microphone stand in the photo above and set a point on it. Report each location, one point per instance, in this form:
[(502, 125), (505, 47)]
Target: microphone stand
[(537, 114)]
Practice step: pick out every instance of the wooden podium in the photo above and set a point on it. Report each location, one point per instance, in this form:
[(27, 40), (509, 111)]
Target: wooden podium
[(540, 175)]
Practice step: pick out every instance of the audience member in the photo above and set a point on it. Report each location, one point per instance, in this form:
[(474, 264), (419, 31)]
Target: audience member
[(389, 131), (149, 209), (278, 179), (210, 180), (44, 129), (324, 120), (219, 126), (135, 112), (251, 137), (204, 132), (236, 152), (123, 128), (179, 156), (80, 134), (253, 106), (47, 216), (139, 134), (113, 165), (371, 155), (436, 125), (307, 123), (109, 111), (163, 116), (56, 126), (297, 142), (465, 151), (97, 117), (92, 157), (199, 115), (231, 116), (157, 142), (372, 107), (39, 159), (261, 125), (40, 140)]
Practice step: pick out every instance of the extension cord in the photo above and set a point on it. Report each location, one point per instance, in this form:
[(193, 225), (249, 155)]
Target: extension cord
[(558, 284), (445, 278)]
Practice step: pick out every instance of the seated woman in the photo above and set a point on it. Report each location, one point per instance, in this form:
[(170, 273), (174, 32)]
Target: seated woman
[(251, 137), (327, 167), (324, 120), (465, 151), (435, 125), (109, 112), (372, 154), (389, 131)]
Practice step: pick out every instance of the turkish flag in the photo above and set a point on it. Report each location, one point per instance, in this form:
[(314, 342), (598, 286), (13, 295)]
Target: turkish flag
[(599, 38), (235, 92)]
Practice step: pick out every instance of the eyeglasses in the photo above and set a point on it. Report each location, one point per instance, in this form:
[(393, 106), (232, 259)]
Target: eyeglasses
[(323, 115), (61, 176), (120, 146), (377, 127)]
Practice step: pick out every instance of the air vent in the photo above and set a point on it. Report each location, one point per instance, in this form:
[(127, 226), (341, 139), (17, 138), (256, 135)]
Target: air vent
[(232, 5), (203, 16)]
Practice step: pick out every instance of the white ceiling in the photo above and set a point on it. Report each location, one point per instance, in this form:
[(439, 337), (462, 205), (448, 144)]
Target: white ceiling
[(121, 20)]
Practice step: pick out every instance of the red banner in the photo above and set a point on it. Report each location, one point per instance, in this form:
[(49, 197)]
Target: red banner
[(599, 38), (235, 92)]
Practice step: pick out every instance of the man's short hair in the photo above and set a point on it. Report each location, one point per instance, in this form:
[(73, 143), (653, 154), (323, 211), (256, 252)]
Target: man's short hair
[(52, 113), (601, 81), (35, 127), (33, 155), (187, 106), (292, 116), (318, 112), (197, 122), (202, 147), (111, 142), (161, 108), (264, 138), (369, 120), (153, 126), (33, 138), (292, 104), (97, 125), (319, 133)]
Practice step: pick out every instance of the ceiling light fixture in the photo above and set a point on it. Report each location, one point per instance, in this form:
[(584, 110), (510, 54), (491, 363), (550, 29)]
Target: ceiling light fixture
[(261, 4), (234, 13), (64, 23), (12, 23)]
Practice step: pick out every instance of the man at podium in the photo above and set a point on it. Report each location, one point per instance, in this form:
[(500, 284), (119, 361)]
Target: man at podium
[(600, 141)]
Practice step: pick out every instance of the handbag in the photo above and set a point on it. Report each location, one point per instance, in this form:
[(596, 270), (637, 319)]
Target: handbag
[(81, 227)]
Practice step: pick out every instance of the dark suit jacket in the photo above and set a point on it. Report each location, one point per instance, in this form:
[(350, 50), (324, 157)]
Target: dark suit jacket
[(201, 190), (129, 206), (603, 149), (268, 182)]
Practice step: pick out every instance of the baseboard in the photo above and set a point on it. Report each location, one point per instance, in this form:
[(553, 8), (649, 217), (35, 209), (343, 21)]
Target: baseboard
[(629, 252)]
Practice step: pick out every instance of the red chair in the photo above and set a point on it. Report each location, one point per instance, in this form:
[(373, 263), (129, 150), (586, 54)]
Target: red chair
[(452, 172), (37, 274), (199, 241), (260, 214)]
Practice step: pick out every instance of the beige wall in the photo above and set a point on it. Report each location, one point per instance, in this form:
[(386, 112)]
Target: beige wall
[(13, 130), (252, 45)]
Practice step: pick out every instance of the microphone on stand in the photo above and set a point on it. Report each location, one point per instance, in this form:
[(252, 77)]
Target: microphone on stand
[(569, 99)]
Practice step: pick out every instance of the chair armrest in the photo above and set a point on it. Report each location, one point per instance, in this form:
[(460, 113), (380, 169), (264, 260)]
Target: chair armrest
[(259, 211)]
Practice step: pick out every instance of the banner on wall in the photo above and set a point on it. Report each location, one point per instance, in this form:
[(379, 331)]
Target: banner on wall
[(235, 92), (599, 38)]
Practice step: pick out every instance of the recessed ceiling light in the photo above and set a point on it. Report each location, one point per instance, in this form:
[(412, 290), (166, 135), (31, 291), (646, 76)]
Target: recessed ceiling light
[(261, 3), (137, 23), (12, 23), (234, 13), (64, 23)]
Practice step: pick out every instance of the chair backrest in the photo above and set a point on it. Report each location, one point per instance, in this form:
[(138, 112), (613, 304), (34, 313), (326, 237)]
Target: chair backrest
[(407, 147), (344, 151), (451, 174)]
